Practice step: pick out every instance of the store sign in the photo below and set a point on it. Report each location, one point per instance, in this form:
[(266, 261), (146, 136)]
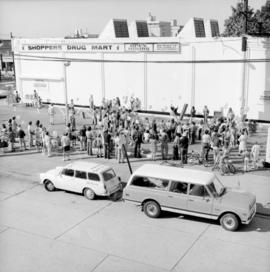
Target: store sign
[(167, 47), (103, 47), (138, 47)]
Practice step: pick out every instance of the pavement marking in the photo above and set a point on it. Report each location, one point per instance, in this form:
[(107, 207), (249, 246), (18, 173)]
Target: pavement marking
[(97, 265), (5, 229), (198, 238), (21, 192), (92, 214)]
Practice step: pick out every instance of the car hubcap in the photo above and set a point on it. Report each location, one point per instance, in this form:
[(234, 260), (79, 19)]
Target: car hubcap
[(50, 186), (152, 210), (89, 193), (229, 222)]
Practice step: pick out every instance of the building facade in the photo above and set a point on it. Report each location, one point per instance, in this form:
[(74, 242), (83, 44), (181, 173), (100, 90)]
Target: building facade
[(161, 71)]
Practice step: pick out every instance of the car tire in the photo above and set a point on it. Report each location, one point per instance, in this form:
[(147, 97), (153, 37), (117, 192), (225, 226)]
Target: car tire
[(49, 186), (229, 221), (152, 209), (89, 194)]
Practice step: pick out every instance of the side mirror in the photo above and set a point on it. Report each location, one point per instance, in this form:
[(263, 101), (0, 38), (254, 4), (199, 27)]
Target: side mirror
[(119, 178)]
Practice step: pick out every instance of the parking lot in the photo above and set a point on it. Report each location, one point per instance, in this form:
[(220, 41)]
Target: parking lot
[(56, 231)]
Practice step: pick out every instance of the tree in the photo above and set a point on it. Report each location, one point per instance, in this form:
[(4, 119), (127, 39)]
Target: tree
[(258, 22)]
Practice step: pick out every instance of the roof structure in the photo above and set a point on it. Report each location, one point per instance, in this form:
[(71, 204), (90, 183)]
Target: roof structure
[(174, 173)]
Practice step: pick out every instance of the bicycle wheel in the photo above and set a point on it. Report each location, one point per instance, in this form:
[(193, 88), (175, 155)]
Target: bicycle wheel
[(232, 168)]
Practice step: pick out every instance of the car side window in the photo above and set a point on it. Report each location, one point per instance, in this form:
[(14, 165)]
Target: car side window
[(68, 172), (93, 176), (160, 184), (198, 190), (80, 174), (179, 187)]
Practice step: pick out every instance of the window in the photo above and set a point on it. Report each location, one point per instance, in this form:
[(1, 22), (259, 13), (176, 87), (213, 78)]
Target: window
[(68, 172), (199, 28), (80, 174), (160, 184), (142, 29), (198, 190), (109, 174), (93, 176), (120, 28), (179, 187), (214, 28)]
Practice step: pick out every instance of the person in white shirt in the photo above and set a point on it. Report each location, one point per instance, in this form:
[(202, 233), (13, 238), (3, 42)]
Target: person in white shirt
[(206, 140), (255, 152), (48, 144), (51, 112)]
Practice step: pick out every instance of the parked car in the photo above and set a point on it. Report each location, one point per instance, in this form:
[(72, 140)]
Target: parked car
[(90, 179), (198, 193)]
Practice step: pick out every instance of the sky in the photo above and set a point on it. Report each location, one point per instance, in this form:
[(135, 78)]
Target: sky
[(57, 18)]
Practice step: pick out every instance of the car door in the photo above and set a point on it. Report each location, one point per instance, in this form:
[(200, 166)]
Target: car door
[(199, 199), (66, 179), (79, 182), (177, 195)]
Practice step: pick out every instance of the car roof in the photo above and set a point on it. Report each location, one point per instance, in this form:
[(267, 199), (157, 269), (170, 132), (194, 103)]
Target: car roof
[(88, 166), (175, 173)]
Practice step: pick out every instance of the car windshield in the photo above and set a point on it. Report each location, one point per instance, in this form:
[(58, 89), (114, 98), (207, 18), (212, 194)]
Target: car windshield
[(216, 187), (109, 174)]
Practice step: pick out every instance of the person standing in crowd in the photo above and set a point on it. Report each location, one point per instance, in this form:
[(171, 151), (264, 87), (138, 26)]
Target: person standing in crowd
[(51, 112), (21, 135), (206, 141), (242, 142), (230, 115), (121, 146), (153, 144), (47, 142), (38, 138), (11, 138), (192, 113), (137, 138), (65, 141), (216, 144), (184, 147), (14, 125), (31, 133), (246, 160), (205, 114), (98, 144), (107, 141), (89, 141), (164, 144), (35, 98), (176, 144), (255, 153), (193, 132), (82, 135)]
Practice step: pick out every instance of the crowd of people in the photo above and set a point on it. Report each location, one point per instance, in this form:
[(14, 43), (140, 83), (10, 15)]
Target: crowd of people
[(116, 130)]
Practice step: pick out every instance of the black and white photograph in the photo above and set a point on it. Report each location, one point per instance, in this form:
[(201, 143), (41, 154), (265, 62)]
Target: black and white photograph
[(134, 135)]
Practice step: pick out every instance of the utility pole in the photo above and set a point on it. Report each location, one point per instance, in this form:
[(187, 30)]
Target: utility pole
[(244, 50)]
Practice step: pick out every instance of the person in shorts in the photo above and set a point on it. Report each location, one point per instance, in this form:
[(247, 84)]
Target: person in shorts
[(66, 146)]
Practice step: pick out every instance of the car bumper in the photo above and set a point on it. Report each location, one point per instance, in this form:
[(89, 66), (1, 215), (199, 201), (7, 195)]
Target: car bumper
[(252, 214)]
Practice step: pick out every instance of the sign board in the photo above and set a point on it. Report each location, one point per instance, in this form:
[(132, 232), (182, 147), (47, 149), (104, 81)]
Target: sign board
[(102, 47), (267, 159), (138, 47)]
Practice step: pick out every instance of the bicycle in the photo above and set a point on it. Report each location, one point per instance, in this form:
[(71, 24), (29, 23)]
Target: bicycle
[(194, 158), (224, 166)]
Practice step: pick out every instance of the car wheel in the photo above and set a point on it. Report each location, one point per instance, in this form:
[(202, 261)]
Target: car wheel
[(49, 186), (151, 209), (229, 221), (89, 194)]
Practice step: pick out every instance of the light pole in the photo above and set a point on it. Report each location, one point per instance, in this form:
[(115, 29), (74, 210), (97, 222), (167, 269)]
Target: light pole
[(66, 64)]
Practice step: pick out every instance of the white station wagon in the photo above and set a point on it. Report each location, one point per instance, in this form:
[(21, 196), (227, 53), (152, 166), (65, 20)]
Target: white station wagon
[(90, 179), (192, 192)]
